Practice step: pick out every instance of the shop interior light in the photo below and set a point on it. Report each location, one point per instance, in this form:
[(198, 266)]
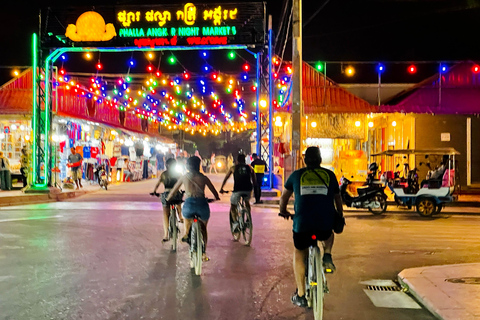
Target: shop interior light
[(412, 69), (27, 137), (394, 123), (14, 127), (370, 124), (2, 135), (313, 124), (357, 123)]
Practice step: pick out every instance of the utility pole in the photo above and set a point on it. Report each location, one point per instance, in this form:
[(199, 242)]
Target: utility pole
[(297, 84)]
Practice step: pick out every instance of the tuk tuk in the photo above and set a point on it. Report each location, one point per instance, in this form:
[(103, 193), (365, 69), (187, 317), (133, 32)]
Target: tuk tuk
[(431, 195)]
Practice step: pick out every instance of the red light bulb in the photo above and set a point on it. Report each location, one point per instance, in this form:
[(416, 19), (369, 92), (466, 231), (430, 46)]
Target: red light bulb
[(62, 71), (186, 75), (476, 68), (149, 68), (99, 66), (158, 74), (412, 69), (246, 67)]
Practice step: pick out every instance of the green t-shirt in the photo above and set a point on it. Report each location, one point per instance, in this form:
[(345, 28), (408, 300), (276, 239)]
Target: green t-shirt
[(314, 198)]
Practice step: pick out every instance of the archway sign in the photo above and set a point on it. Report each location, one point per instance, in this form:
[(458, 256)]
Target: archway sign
[(130, 28)]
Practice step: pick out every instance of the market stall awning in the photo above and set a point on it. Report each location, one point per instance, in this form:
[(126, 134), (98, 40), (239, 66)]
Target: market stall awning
[(322, 95), (16, 95), (16, 100), (459, 93)]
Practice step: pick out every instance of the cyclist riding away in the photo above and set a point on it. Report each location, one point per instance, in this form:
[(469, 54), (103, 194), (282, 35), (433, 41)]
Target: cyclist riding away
[(169, 177), (195, 202), (243, 182), (317, 195)]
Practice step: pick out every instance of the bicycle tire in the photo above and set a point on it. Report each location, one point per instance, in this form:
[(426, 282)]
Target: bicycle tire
[(173, 228), (318, 290), (235, 235), (247, 229), (199, 249)]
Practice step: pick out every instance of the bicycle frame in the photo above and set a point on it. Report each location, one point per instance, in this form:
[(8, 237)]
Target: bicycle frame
[(315, 280)]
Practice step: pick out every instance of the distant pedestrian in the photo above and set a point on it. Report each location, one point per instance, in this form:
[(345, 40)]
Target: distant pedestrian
[(229, 161), (197, 154), (160, 161), (75, 163), (5, 175), (259, 167), (24, 166), (212, 163)]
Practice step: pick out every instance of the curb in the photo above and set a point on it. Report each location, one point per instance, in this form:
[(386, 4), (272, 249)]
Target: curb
[(40, 198), (410, 288)]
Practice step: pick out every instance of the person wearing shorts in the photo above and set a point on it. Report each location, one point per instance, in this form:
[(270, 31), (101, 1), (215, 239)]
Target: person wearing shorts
[(194, 183), (169, 177), (317, 195), (75, 163), (243, 182)]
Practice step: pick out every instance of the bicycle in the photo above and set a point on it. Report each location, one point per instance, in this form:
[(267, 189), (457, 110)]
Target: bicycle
[(172, 221), (245, 223), (197, 245), (315, 280)]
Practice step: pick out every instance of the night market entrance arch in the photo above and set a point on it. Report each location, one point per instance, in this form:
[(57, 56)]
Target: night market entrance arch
[(142, 28)]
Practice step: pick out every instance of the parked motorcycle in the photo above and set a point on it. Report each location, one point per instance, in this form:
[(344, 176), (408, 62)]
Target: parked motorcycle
[(372, 198), (102, 177)]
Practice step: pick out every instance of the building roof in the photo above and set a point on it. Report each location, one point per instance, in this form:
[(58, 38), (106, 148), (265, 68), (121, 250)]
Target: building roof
[(459, 93), (322, 95), (16, 95)]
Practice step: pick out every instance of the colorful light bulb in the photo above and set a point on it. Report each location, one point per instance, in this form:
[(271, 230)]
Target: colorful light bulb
[(412, 69)]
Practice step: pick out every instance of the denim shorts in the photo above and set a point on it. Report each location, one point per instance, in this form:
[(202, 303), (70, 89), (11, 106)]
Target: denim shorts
[(196, 206)]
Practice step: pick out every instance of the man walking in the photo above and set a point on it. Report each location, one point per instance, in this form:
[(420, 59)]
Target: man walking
[(259, 167), (75, 163)]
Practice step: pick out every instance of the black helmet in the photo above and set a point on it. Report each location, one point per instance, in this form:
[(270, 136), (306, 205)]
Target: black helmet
[(373, 166)]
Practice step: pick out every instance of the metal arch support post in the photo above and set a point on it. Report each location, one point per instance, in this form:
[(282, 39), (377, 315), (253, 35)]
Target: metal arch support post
[(270, 109), (257, 105)]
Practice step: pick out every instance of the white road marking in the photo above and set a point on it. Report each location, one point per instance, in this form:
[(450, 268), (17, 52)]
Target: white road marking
[(29, 218)]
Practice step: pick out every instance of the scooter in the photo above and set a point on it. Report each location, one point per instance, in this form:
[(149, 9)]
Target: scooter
[(102, 177), (372, 198)]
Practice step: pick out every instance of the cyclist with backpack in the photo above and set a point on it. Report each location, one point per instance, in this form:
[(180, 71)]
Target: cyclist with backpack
[(317, 195)]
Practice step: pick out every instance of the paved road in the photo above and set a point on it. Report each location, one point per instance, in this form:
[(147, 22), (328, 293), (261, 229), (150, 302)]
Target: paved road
[(100, 257)]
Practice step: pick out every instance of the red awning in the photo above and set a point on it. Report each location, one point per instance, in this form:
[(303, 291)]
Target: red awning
[(322, 95), (16, 95)]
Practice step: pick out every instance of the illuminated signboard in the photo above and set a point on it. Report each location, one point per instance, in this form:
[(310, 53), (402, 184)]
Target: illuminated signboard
[(153, 26)]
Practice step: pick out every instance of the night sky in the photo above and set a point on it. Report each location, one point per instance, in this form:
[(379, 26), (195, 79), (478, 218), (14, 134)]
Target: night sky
[(344, 30)]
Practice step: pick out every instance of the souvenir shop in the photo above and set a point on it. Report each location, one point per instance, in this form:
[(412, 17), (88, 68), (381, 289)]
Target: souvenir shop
[(99, 144)]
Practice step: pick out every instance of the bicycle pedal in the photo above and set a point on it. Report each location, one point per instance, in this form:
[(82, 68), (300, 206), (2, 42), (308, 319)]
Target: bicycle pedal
[(312, 284)]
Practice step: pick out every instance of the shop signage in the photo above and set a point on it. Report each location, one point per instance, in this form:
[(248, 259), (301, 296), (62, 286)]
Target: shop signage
[(445, 136), (187, 24), (6, 129)]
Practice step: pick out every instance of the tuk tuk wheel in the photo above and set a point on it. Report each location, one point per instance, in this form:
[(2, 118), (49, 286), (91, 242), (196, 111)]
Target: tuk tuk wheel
[(426, 207)]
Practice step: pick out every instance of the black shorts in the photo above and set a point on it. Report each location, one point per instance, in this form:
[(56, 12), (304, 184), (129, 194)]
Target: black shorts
[(303, 240)]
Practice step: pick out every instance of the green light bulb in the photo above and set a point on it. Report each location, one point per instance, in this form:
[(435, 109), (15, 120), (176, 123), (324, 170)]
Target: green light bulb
[(231, 55)]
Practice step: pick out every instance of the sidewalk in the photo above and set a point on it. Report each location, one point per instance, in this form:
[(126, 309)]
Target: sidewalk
[(450, 292), (17, 197)]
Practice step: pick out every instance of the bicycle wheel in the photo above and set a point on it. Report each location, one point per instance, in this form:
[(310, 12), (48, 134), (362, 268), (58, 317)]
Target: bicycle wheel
[(173, 228), (247, 226), (199, 248), (236, 235), (318, 288)]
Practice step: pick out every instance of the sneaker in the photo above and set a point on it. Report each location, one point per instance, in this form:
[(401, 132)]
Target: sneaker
[(299, 301), (258, 202), (185, 239), (328, 265)]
